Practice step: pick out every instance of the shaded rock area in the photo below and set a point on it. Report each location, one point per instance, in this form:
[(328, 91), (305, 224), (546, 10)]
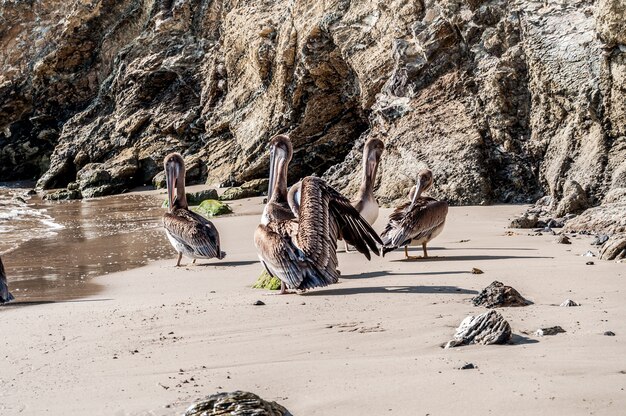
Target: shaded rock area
[(506, 101), (63, 195), (236, 403), (255, 187), (614, 248), (487, 328), (195, 198), (497, 295)]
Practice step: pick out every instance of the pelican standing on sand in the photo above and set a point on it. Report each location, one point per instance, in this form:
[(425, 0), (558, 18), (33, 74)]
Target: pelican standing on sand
[(5, 296), (365, 203), (301, 251), (416, 222), (191, 234)]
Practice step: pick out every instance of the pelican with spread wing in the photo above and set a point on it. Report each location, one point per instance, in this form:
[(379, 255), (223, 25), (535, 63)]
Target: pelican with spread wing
[(191, 234), (302, 251), (415, 222)]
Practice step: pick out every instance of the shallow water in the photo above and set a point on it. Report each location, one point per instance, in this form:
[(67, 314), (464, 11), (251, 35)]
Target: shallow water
[(51, 249)]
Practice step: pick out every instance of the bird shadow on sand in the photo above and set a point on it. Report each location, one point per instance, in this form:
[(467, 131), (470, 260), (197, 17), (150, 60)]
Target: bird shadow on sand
[(23, 303), (383, 273), (392, 289), (472, 258), (226, 263), (521, 340)]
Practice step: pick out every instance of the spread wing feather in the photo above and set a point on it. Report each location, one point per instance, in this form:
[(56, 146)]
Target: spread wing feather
[(195, 232)]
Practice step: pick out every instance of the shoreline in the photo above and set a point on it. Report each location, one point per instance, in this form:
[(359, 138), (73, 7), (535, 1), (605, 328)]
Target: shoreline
[(367, 345)]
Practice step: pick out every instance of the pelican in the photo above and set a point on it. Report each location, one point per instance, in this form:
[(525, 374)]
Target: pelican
[(5, 296), (190, 234), (416, 222), (301, 250), (365, 203)]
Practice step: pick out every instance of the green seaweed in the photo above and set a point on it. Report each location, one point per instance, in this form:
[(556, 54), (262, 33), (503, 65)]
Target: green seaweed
[(212, 208), (265, 281)]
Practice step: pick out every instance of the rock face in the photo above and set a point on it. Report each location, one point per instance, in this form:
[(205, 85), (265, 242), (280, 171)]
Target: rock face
[(504, 100), (486, 328), (236, 403), (497, 295)]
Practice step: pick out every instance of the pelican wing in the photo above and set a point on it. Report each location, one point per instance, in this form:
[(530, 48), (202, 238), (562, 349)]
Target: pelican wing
[(198, 234), (285, 260), (319, 203), (5, 296), (405, 225)]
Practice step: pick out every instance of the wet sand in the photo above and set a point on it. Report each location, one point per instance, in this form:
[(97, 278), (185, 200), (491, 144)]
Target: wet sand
[(89, 238), (157, 338)]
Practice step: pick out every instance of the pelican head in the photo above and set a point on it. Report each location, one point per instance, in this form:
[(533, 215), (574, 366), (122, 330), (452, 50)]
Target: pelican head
[(372, 152), (424, 182), (175, 181), (281, 152)]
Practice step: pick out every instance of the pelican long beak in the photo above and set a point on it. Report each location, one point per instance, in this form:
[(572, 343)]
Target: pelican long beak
[(270, 187), (418, 191), (372, 162), (277, 162), (170, 180)]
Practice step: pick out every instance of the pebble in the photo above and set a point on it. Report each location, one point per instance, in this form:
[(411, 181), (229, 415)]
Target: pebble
[(569, 302), (259, 303), (609, 333), (590, 263), (588, 253), (466, 366), (563, 239), (476, 271)]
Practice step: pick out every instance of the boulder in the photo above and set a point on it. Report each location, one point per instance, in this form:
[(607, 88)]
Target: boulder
[(614, 248), (235, 403), (212, 208), (497, 295), (487, 328), (63, 195), (195, 198)]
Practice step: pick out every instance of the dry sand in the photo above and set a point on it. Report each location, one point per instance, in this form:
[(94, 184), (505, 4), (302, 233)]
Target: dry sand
[(157, 338)]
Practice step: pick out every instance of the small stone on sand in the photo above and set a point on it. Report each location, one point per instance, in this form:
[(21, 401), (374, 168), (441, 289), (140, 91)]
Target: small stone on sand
[(569, 302), (590, 263), (259, 303), (609, 333), (562, 239), (466, 366), (553, 330), (476, 271)]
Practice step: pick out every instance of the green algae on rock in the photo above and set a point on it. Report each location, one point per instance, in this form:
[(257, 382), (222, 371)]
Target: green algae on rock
[(212, 208), (265, 281)]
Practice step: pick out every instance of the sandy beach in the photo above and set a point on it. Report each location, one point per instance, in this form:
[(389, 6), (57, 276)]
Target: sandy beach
[(154, 339)]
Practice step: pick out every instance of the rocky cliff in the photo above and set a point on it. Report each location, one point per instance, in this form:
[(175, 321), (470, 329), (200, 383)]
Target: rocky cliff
[(505, 100)]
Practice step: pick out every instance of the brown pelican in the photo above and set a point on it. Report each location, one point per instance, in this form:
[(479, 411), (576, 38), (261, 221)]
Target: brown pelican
[(190, 234), (416, 222), (5, 296), (301, 251), (277, 207), (365, 203)]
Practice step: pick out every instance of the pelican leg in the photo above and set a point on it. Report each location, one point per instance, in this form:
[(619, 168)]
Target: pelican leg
[(425, 252), (180, 256), (406, 254), (194, 261), (346, 246)]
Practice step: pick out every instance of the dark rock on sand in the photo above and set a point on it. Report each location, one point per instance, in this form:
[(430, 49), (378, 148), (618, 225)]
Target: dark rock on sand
[(236, 403), (259, 303), (569, 303), (256, 187), (525, 221), (609, 333), (487, 328), (476, 271), (562, 239), (63, 195), (600, 239), (466, 366), (553, 330), (195, 198), (497, 295)]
